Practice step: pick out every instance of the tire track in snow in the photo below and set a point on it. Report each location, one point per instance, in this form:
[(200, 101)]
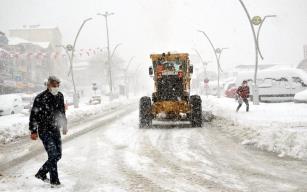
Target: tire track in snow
[(146, 149)]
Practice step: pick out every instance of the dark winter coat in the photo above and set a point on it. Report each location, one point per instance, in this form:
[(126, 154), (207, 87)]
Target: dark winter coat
[(48, 113), (243, 92)]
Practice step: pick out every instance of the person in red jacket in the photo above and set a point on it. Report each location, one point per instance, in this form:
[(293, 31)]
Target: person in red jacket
[(243, 94)]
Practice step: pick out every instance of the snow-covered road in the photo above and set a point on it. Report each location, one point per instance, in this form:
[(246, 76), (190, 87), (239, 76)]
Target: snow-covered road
[(121, 157)]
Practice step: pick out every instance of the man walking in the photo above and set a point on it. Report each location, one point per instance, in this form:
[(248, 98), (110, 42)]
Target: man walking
[(46, 118), (243, 94)]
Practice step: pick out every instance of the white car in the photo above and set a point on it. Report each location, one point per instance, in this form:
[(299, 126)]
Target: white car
[(10, 104), (27, 100), (276, 85), (95, 100)]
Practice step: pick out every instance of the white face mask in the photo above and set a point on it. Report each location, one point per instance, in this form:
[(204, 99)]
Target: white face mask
[(54, 90)]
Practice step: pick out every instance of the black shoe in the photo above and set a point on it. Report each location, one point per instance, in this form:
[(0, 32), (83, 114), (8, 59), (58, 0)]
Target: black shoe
[(42, 177), (55, 183)]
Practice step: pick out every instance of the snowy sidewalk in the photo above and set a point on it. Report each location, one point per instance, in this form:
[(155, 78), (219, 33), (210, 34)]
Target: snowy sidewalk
[(15, 126), (276, 127)]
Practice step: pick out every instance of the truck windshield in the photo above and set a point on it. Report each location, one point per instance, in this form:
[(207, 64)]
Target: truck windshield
[(172, 65)]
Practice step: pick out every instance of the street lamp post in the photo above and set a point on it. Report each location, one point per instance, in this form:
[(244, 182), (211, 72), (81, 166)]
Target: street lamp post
[(202, 61), (205, 65), (258, 32), (106, 14), (217, 53), (71, 49), (255, 21)]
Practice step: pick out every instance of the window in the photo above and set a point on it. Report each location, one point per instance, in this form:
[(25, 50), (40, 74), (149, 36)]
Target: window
[(297, 81)]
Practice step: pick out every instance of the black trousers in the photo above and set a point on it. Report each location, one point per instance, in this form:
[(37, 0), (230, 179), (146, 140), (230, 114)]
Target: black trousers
[(245, 100), (53, 146)]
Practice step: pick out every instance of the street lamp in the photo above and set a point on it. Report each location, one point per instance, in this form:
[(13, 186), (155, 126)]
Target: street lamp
[(205, 65), (106, 15), (255, 21), (217, 53), (71, 49), (202, 61), (258, 32)]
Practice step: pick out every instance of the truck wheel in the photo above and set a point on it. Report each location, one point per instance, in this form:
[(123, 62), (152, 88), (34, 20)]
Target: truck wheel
[(145, 116), (196, 111)]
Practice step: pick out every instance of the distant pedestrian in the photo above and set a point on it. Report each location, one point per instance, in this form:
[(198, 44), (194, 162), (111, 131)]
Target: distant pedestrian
[(243, 94), (46, 118)]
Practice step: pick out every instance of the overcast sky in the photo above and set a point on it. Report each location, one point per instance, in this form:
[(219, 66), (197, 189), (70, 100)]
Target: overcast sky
[(146, 26)]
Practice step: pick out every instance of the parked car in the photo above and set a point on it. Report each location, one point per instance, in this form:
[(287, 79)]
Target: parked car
[(10, 104), (27, 100), (274, 85), (231, 92), (95, 100), (301, 97)]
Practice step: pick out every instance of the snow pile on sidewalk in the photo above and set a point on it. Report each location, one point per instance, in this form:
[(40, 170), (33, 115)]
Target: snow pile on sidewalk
[(276, 127), (15, 126)]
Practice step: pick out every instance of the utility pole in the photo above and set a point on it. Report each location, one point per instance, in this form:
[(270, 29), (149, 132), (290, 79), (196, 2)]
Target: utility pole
[(106, 15), (255, 21)]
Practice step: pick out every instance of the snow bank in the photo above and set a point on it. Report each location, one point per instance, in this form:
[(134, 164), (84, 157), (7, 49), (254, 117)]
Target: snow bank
[(276, 127), (16, 126)]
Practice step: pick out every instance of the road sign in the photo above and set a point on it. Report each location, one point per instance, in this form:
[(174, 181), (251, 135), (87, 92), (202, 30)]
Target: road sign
[(94, 86), (256, 20), (206, 81)]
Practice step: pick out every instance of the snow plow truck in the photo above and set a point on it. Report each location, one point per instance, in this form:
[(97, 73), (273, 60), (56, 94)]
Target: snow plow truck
[(171, 100)]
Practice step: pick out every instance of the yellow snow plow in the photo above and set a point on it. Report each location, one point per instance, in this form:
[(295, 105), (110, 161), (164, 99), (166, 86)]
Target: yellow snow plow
[(171, 98)]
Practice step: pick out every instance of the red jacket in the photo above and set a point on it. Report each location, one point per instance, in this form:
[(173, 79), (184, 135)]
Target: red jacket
[(243, 92)]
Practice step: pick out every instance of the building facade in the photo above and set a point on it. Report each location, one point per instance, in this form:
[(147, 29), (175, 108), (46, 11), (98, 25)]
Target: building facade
[(44, 35), (25, 64)]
